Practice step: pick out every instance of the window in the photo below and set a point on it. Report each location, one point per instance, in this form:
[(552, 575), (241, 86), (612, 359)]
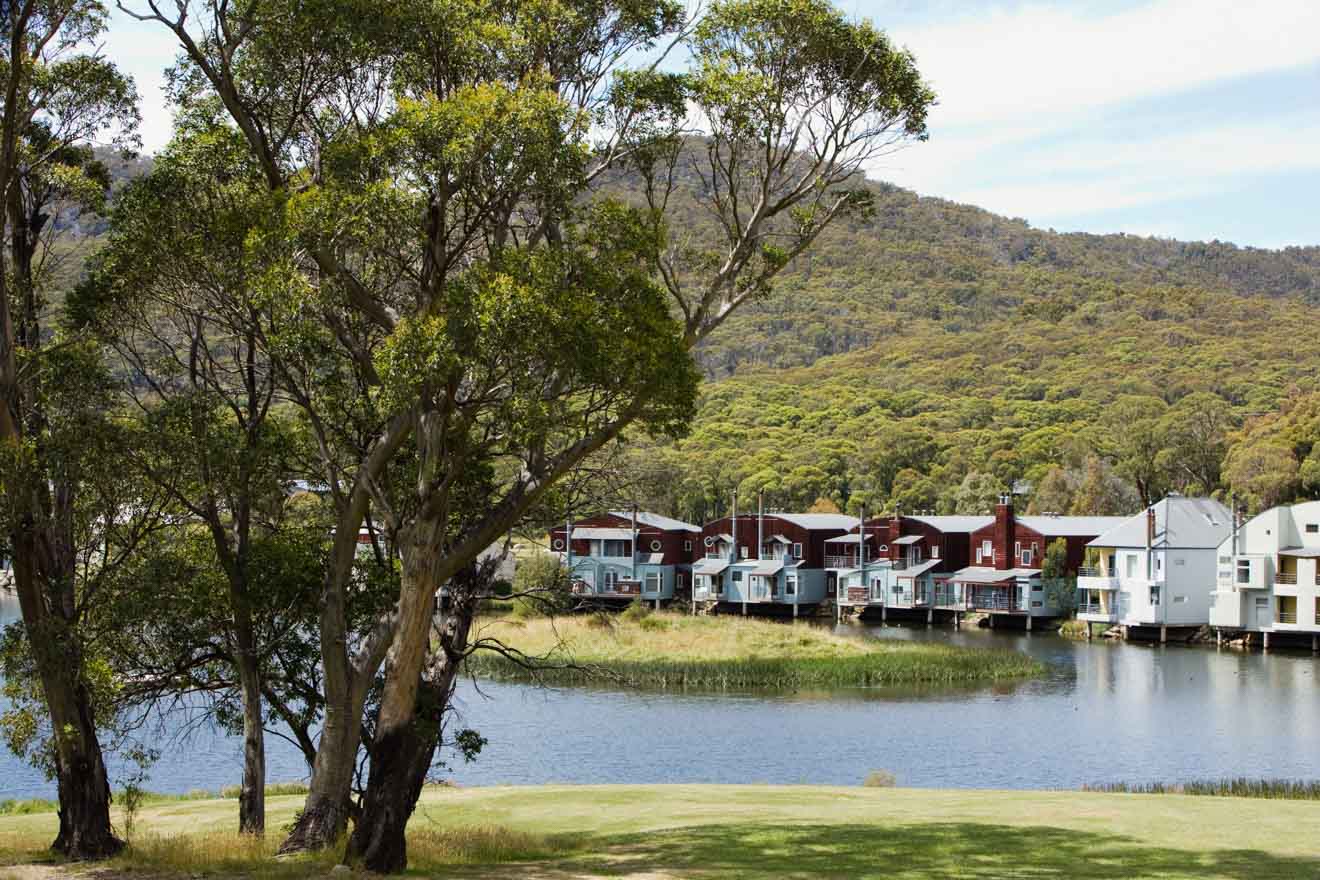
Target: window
[(790, 585), (611, 579), (935, 552), (878, 588), (1313, 528), (737, 576), (1178, 600), (679, 579), (1154, 595), (617, 548), (653, 582), (797, 551), (1130, 560), (1225, 560), (1036, 588), (1159, 563), (1036, 603), (1017, 549), (1035, 549), (687, 545), (1244, 571), (1026, 558), (987, 550), (742, 552)]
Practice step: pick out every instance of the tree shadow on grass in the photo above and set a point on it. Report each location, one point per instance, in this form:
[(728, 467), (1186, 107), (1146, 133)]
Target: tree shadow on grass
[(915, 852)]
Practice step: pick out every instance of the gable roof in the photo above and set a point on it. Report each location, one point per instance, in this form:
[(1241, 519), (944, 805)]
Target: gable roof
[(1179, 522), (1071, 526), (657, 521), (954, 523), (819, 520)]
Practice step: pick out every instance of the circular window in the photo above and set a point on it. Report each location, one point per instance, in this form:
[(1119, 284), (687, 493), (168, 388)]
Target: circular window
[(559, 544), (656, 545), (710, 540), (884, 548)]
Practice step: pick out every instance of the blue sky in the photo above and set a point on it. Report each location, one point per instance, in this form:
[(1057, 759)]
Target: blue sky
[(1190, 119)]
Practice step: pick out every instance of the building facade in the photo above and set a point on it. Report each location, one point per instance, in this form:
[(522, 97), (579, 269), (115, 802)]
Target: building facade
[(624, 556), (1267, 577), (1152, 572), (908, 565), (1004, 576), (771, 561)]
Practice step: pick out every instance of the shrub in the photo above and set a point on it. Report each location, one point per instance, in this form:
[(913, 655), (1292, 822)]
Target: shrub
[(879, 779), (545, 582), (638, 610), (652, 622)]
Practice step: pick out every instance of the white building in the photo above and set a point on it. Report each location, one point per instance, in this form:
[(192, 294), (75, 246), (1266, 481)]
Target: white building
[(1268, 579), (1154, 569)]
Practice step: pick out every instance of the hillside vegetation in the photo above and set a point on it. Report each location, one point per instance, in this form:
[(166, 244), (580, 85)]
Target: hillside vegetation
[(933, 355)]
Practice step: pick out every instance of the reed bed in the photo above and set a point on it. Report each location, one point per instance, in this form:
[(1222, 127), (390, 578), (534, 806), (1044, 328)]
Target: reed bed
[(671, 651), (1242, 787)]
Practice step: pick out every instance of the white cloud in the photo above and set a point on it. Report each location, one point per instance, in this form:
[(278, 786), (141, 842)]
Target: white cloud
[(1035, 117), (1037, 60)]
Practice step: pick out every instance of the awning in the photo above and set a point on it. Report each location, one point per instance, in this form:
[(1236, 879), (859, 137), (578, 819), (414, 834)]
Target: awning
[(651, 559), (983, 576), (768, 567), (723, 536), (709, 566), (780, 539), (908, 539), (1301, 552), (917, 570), (845, 539), (587, 534)]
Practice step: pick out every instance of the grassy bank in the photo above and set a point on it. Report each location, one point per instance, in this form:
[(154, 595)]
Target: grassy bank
[(680, 651), (718, 832)]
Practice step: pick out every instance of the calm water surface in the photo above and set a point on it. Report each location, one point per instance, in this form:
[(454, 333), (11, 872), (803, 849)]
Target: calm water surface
[(1103, 712)]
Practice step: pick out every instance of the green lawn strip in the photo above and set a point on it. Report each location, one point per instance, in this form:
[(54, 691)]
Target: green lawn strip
[(723, 832), (721, 653)]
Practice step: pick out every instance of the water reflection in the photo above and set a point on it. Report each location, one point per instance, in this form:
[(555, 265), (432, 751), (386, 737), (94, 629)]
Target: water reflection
[(1104, 711)]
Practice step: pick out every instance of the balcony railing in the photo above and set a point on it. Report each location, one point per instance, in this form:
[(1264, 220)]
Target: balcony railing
[(987, 602), (844, 561), (1091, 572), (1286, 577), (1286, 617), (1091, 608)]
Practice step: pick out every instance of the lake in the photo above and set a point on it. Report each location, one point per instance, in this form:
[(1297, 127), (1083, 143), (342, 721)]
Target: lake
[(1104, 712)]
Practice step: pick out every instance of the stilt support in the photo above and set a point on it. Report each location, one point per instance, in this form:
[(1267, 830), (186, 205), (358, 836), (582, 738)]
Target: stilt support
[(1124, 630), (1265, 641), (930, 616), (884, 613), (1164, 635), (1219, 637), (1028, 623), (744, 609), (991, 618)]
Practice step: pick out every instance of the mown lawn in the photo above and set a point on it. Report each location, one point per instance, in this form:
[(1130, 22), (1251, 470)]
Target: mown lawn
[(719, 832), (681, 651)]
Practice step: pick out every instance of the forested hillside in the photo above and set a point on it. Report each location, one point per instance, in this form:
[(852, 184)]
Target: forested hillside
[(933, 354), (936, 353)]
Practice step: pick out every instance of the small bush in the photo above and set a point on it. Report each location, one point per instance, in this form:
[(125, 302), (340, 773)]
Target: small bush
[(879, 779), (599, 620), (653, 622), (637, 611)]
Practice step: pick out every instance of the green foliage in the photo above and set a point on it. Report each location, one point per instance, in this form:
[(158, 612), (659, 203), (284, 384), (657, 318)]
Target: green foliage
[(541, 587)]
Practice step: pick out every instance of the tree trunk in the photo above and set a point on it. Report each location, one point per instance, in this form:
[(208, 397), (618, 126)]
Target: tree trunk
[(252, 796), (326, 811), (403, 755), (85, 831)]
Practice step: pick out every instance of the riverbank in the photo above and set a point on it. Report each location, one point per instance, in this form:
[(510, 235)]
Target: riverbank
[(718, 832), (662, 651)]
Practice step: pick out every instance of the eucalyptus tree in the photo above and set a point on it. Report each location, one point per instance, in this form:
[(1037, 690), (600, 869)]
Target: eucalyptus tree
[(488, 315), (177, 294), (69, 515)]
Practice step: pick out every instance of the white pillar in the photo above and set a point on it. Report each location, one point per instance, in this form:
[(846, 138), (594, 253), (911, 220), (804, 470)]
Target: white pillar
[(1265, 641), (1028, 623), (1164, 635)]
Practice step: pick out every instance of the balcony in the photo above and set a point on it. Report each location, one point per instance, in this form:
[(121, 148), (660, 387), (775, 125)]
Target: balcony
[(844, 562), (1095, 579), (1288, 578), (1285, 617)]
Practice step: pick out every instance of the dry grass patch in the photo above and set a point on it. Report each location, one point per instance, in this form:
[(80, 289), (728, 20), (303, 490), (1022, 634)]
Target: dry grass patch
[(666, 650)]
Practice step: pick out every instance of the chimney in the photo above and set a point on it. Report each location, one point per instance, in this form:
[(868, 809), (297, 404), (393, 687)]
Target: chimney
[(733, 530), (895, 532), (1005, 528), (760, 523)]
